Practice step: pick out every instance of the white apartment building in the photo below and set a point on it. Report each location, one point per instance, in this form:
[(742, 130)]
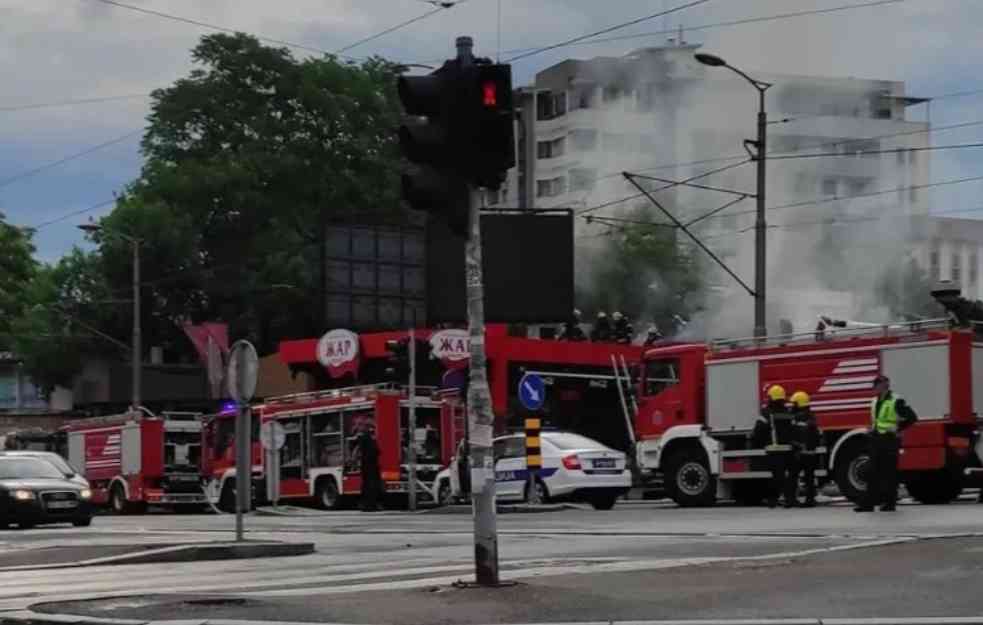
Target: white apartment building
[(658, 112)]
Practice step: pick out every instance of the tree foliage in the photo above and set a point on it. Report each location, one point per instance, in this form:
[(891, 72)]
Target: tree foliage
[(17, 268), (246, 158), (644, 272)]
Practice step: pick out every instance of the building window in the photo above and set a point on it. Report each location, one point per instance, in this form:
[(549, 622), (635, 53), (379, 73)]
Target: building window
[(611, 94), (583, 140), (933, 265), (549, 149), (550, 105), (829, 186), (957, 270), (974, 271), (551, 187), (582, 179)]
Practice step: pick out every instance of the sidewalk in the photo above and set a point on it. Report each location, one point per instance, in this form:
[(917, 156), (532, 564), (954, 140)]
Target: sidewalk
[(915, 579)]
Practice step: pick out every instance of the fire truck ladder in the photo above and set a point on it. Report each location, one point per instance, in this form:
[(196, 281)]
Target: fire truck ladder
[(622, 377), (850, 329)]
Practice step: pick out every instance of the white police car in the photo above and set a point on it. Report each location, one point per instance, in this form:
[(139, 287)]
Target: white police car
[(574, 468)]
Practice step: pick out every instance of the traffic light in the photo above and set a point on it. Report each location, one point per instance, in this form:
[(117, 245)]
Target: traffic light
[(493, 114), (429, 141), (399, 360), (461, 135)]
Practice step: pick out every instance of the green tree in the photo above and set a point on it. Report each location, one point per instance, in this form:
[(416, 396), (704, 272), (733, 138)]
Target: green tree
[(643, 271), (17, 268), (66, 314), (247, 158)]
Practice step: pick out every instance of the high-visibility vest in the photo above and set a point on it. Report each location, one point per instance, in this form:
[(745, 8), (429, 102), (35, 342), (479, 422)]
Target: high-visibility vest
[(885, 420)]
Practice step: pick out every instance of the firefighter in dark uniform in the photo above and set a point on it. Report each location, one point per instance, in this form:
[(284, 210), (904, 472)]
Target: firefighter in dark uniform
[(571, 330), (889, 416), (370, 470), (774, 432), (804, 459)]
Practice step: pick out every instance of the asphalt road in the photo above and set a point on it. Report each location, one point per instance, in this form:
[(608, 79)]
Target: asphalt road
[(640, 560)]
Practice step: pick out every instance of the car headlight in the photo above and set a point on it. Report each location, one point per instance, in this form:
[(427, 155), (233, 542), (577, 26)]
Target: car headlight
[(23, 495), (85, 493)]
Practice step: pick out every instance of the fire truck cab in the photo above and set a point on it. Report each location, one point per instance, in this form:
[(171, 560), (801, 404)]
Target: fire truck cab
[(697, 405), (320, 460)]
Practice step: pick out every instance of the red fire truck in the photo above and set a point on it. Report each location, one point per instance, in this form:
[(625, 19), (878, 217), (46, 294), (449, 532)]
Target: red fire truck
[(582, 391), (136, 458), (698, 403), (319, 459)]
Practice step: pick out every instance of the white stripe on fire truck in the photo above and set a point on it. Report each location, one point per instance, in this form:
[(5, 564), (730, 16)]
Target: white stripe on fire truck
[(847, 400), (857, 362), (835, 388), (855, 369)]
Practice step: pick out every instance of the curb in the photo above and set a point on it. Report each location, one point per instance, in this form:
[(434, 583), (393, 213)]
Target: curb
[(520, 508), (184, 553), (26, 617)]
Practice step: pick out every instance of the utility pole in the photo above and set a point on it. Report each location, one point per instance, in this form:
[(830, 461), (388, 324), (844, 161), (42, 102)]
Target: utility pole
[(411, 425), (481, 420), (760, 156), (760, 223), (137, 334)]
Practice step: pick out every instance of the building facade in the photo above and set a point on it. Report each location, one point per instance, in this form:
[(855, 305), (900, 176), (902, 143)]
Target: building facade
[(658, 112)]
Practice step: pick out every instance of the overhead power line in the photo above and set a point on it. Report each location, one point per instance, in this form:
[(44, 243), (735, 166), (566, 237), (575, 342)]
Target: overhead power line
[(440, 8), (46, 105), (740, 22), (609, 29), (224, 29), (75, 213), (873, 152), (36, 170)]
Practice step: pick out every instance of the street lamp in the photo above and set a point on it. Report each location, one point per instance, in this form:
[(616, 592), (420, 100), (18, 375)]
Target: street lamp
[(760, 268), (137, 357)]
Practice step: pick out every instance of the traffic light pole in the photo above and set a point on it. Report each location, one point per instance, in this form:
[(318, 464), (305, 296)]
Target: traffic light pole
[(481, 420), (411, 425)]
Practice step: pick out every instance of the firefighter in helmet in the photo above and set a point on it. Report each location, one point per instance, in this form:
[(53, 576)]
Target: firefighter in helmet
[(602, 329), (773, 432), (805, 441)]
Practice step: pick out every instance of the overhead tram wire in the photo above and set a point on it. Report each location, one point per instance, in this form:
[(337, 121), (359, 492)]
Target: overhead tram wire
[(4, 182), (69, 215), (45, 105), (609, 29), (440, 8), (740, 22)]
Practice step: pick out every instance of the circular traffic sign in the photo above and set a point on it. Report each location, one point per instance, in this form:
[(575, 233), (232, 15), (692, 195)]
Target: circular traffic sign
[(532, 391), (272, 435), (242, 371)]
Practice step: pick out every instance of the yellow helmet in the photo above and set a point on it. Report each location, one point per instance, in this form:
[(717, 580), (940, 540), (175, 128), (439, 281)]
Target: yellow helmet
[(776, 392), (800, 399)]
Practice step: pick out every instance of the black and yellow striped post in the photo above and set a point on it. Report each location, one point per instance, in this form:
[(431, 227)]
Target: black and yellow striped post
[(534, 455)]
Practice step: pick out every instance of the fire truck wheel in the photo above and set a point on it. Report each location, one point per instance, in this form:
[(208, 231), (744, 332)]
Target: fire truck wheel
[(850, 472), (538, 494), (689, 480), (327, 494), (444, 493), (933, 487), (117, 499), (227, 500)]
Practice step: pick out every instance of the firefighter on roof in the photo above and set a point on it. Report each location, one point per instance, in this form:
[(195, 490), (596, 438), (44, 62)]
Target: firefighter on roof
[(806, 441), (623, 330), (889, 416), (602, 328), (774, 432), (571, 329)]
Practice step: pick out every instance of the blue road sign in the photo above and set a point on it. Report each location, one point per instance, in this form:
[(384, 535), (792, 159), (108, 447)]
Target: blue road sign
[(532, 391)]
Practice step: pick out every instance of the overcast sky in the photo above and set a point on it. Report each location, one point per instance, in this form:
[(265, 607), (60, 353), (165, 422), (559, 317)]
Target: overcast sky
[(57, 50)]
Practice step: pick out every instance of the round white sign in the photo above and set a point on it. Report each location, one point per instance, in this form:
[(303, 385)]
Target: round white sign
[(271, 435), (243, 370), (451, 345), (337, 348)]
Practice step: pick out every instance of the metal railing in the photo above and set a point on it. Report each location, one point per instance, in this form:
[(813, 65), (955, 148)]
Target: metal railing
[(365, 390), (834, 334)]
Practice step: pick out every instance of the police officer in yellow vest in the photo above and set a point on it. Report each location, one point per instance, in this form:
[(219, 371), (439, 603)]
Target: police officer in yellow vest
[(889, 416)]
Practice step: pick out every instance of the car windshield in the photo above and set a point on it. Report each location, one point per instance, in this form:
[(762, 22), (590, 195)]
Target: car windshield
[(60, 463), (15, 468), (572, 441)]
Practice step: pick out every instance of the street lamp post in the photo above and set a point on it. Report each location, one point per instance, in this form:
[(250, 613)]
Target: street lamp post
[(760, 225), (137, 357)]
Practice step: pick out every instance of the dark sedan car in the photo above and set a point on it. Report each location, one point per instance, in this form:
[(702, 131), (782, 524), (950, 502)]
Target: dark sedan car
[(34, 492)]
